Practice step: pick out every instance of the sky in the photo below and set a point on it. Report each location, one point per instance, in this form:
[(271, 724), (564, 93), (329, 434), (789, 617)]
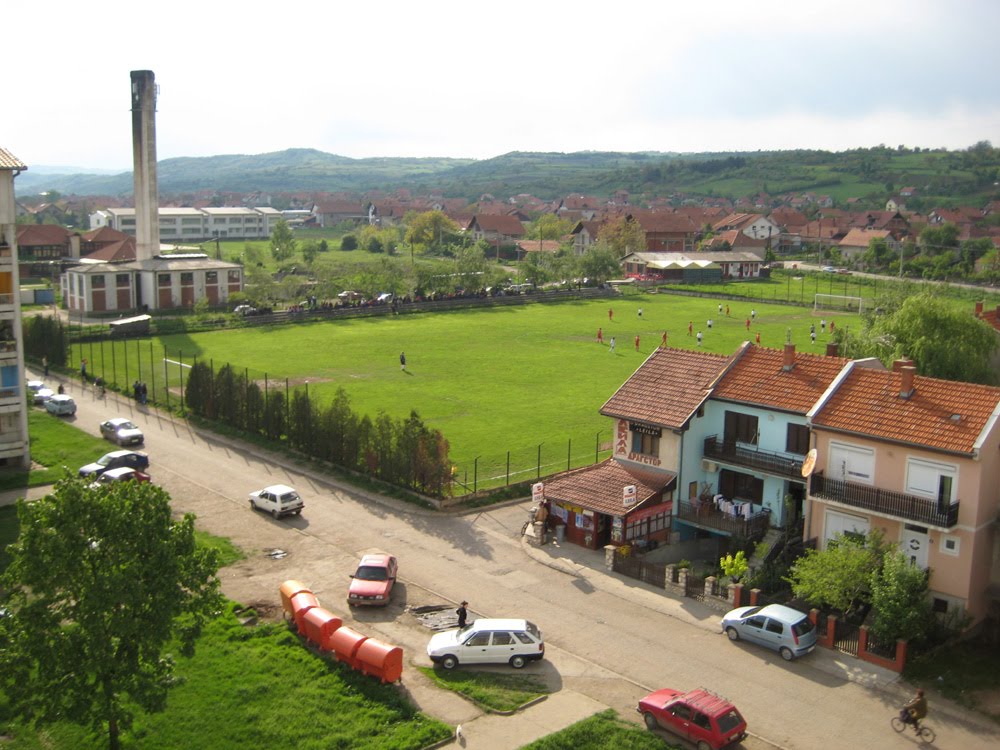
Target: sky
[(478, 80)]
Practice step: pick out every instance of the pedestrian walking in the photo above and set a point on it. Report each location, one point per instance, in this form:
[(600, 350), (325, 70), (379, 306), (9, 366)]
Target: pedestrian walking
[(748, 324), (699, 338), (143, 393), (833, 325), (812, 328), (402, 361), (463, 614), (727, 311), (663, 340), (813, 336), (720, 308), (640, 312), (637, 342), (600, 336), (83, 370), (758, 337), (822, 325), (45, 365), (710, 324), (753, 314), (690, 327), (611, 313), (612, 347)]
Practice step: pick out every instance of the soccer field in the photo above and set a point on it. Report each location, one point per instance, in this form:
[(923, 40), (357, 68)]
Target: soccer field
[(492, 381)]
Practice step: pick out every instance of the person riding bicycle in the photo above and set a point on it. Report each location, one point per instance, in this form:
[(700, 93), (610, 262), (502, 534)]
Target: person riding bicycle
[(915, 710)]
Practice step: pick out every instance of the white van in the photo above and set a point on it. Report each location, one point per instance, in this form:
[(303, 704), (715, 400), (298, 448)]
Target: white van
[(486, 641)]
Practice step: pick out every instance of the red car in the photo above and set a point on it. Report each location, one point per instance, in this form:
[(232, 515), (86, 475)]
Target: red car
[(372, 583), (123, 474), (701, 717)]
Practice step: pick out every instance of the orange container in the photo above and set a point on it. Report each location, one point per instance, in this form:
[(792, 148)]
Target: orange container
[(302, 603), (318, 625), (344, 643), (288, 590), (380, 660)]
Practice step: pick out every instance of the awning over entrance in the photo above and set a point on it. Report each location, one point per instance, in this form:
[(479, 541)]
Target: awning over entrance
[(601, 488)]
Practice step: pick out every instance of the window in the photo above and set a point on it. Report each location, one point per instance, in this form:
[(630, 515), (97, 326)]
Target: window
[(234, 276), (647, 445), (523, 637), (479, 639), (122, 279), (741, 428), (756, 622), (951, 545), (503, 639), (701, 720), (797, 440), (187, 279), (211, 277), (939, 606), (681, 711), (932, 480), (97, 281), (163, 279), (773, 626), (944, 492), (646, 526)]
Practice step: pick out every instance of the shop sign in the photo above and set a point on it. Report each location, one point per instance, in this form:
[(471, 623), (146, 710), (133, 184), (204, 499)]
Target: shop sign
[(644, 459), (628, 495), (538, 492), (645, 429), (621, 442)]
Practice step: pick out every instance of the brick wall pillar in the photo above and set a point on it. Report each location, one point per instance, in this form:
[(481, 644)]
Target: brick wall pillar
[(755, 597), (736, 590)]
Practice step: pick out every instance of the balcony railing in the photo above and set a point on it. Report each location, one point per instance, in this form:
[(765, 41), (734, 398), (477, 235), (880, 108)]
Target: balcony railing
[(8, 346), (6, 299), (706, 515), (7, 393), (891, 503), (770, 462)]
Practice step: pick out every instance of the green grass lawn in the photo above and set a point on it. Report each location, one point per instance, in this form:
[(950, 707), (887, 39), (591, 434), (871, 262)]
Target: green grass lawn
[(493, 380), (601, 731), (258, 687), (493, 691)]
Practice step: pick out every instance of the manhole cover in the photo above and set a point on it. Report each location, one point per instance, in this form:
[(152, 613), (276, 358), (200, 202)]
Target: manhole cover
[(276, 554)]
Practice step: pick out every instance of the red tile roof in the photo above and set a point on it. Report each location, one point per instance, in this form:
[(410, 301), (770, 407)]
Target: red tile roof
[(9, 161), (103, 234), (33, 235), (115, 252), (601, 487), (668, 387), (759, 377), (501, 224), (943, 415)]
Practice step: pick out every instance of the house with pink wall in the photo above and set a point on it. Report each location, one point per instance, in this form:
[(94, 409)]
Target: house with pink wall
[(918, 459)]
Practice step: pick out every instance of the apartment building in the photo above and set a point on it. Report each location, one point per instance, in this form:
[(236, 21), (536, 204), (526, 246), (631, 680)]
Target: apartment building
[(189, 225)]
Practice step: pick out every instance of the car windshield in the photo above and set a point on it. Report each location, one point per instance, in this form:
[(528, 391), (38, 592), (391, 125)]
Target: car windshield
[(750, 612), (288, 497), (105, 459), (729, 721), (125, 426), (371, 573)]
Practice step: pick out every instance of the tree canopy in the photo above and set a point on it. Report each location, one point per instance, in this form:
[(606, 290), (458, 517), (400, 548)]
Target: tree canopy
[(101, 579), (942, 340), (838, 576), (282, 241), (623, 235)]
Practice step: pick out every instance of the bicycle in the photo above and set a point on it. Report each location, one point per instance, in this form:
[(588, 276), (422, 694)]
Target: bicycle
[(924, 732)]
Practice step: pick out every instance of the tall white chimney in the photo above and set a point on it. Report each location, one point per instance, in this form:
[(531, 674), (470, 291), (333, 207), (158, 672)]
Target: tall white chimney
[(147, 200)]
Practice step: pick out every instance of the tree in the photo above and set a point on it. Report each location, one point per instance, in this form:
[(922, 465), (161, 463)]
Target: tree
[(943, 341), (599, 263), (349, 242), (310, 250), (282, 241), (623, 235), (548, 227), (899, 598), (430, 229), (101, 579), (838, 576)]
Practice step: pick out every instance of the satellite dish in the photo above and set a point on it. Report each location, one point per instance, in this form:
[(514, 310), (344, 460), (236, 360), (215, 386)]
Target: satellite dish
[(810, 463)]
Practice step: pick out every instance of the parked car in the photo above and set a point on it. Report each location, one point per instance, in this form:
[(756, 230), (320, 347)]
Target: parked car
[(122, 431), (40, 393), (829, 269), (789, 632), (706, 720), (61, 405), (122, 474), (488, 641), (115, 460), (844, 271), (372, 583), (278, 500), (244, 310)]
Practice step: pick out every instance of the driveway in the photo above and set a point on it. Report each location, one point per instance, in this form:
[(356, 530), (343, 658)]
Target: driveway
[(609, 640)]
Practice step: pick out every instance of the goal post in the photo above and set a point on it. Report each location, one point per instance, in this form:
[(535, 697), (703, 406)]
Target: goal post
[(840, 303)]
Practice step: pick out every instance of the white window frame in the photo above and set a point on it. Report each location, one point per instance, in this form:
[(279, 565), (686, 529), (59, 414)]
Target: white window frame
[(913, 464), (957, 551), (833, 472)]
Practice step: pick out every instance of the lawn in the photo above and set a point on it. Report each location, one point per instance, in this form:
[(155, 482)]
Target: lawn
[(601, 731), (264, 689), (528, 379), (492, 691)]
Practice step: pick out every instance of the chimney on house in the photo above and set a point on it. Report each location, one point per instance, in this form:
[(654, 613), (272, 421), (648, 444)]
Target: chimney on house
[(906, 381), (147, 200), (899, 364), (979, 309), (833, 349), (788, 362)]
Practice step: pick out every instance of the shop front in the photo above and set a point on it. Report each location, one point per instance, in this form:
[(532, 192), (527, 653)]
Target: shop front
[(611, 503)]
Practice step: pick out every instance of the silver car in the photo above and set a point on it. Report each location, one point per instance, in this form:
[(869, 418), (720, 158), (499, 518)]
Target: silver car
[(122, 431), (789, 632)]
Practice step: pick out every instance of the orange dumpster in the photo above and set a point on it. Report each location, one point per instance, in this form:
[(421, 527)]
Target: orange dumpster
[(288, 590), (302, 603), (344, 644), (318, 625), (380, 660)]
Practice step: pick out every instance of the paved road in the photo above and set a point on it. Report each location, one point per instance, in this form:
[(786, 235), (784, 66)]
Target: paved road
[(609, 640)]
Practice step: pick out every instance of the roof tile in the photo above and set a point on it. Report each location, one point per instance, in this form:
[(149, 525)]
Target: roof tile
[(601, 487)]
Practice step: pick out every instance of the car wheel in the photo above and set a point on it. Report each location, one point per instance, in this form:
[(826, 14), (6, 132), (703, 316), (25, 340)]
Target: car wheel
[(518, 662), (786, 653), (702, 745), (275, 515), (732, 633), (650, 720), (252, 506), (449, 662)]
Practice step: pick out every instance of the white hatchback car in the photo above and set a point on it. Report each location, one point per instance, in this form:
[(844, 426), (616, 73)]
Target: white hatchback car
[(278, 500), (61, 405), (486, 641), (789, 632)]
